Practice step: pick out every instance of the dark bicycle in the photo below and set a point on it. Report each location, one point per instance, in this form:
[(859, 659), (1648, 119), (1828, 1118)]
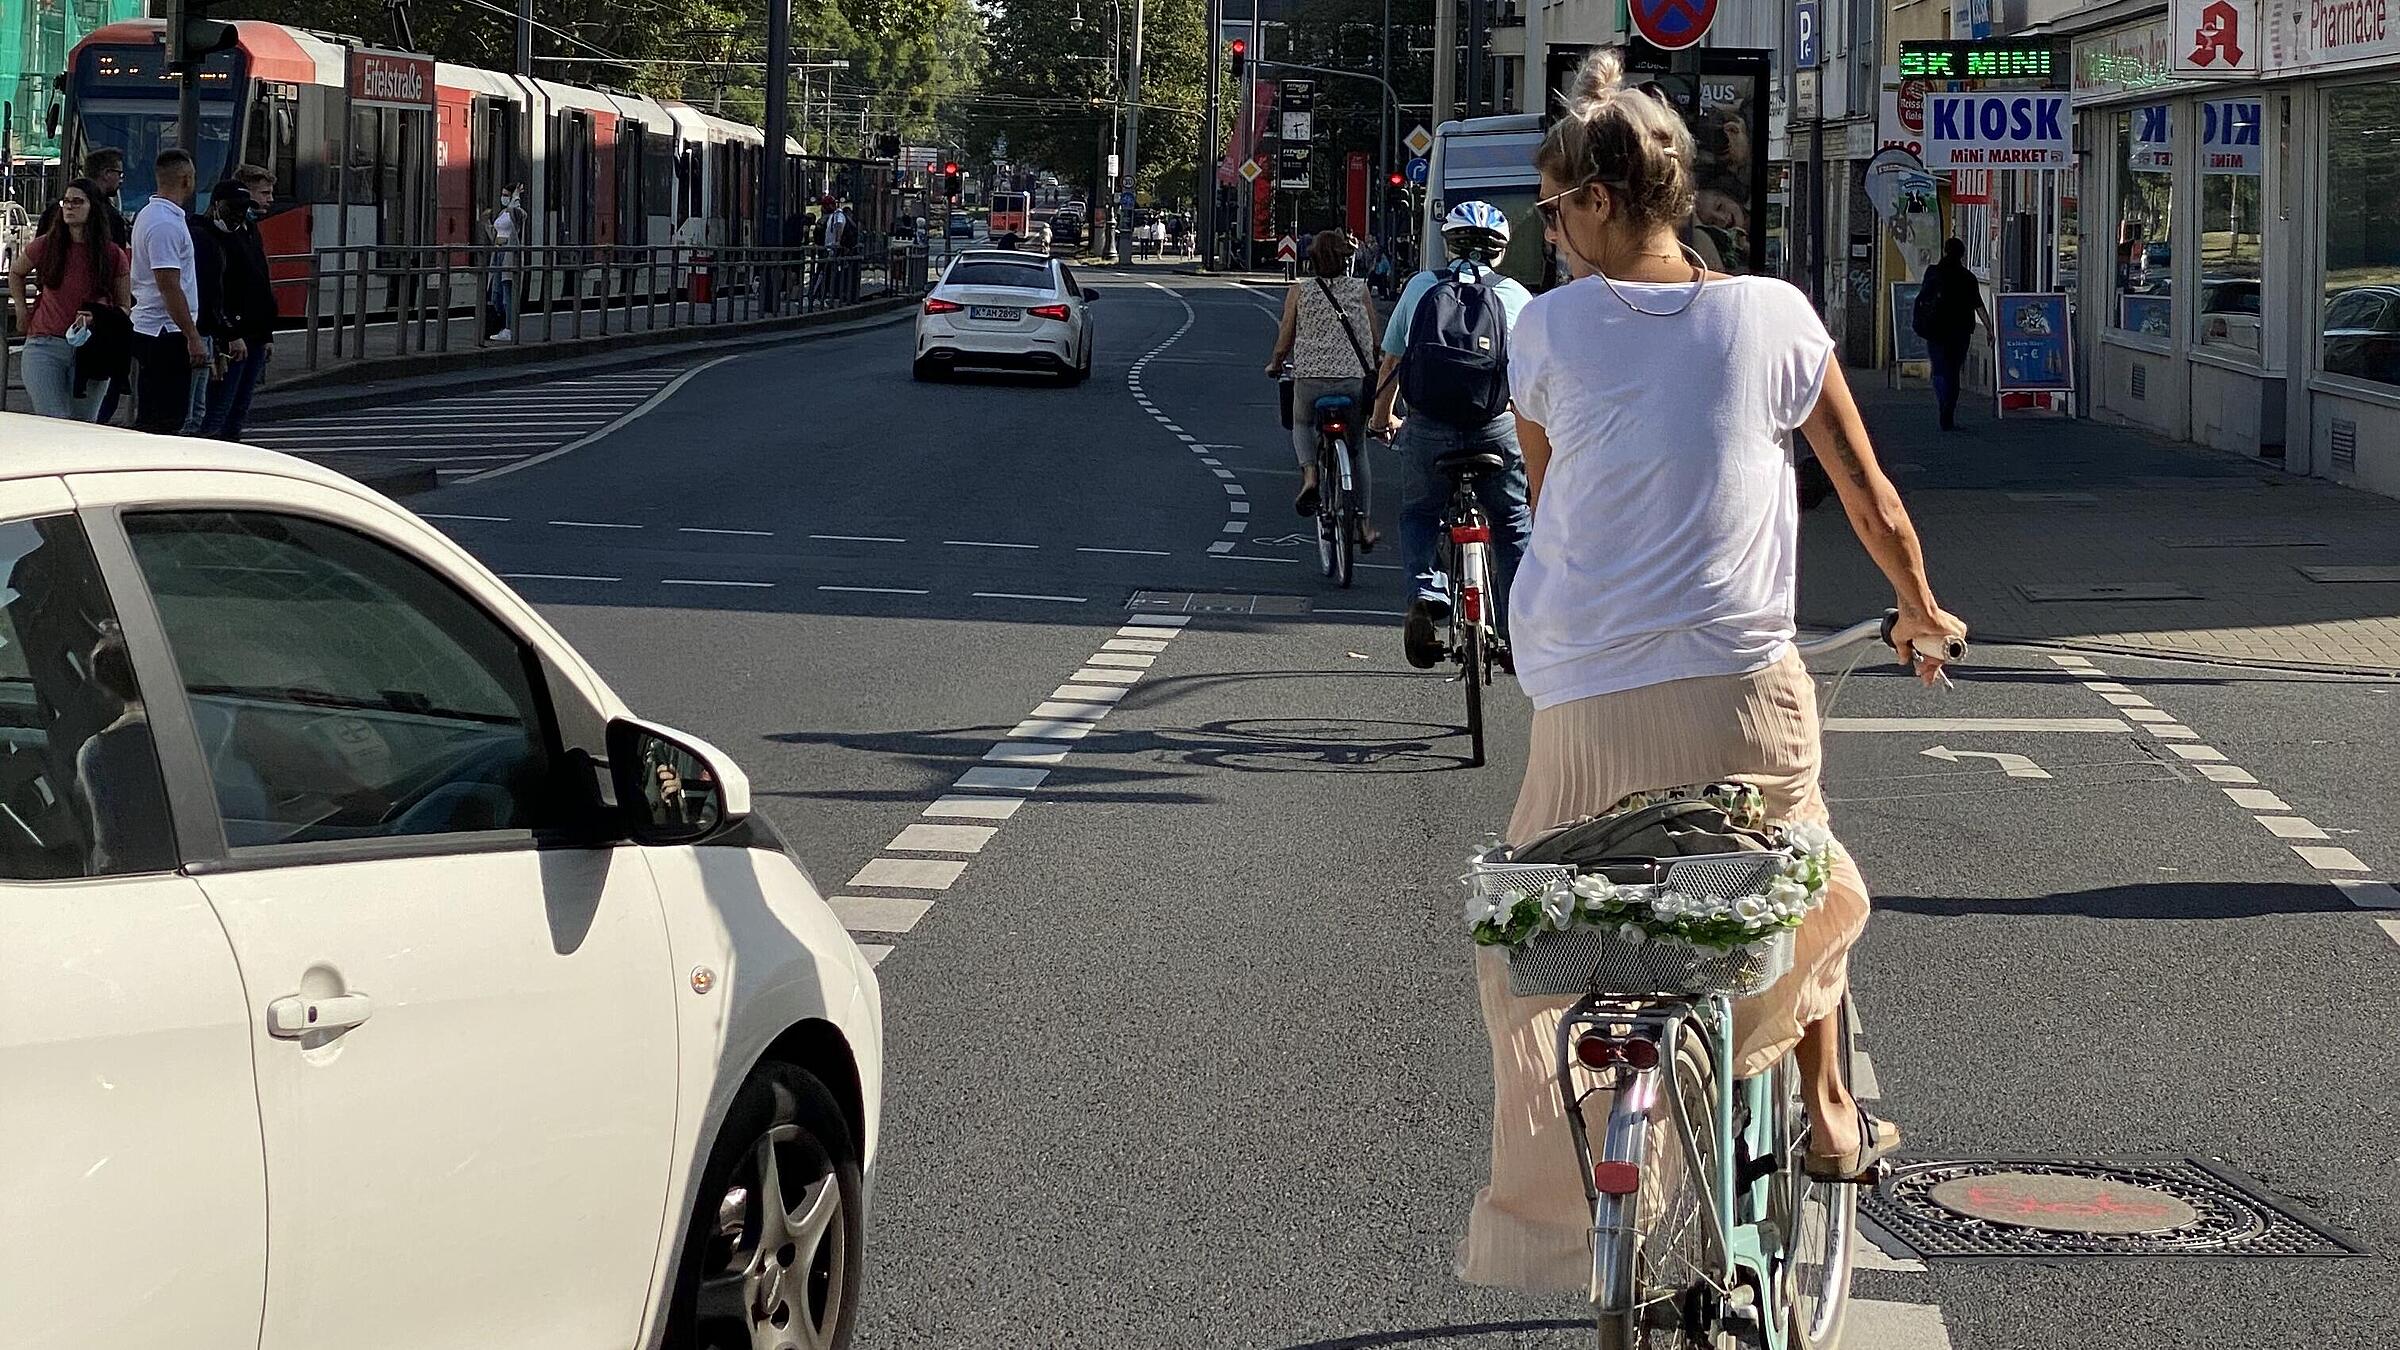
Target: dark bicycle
[(1339, 520), (1462, 550)]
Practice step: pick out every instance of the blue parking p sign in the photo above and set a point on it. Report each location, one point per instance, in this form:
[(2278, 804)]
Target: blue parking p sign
[(1804, 35)]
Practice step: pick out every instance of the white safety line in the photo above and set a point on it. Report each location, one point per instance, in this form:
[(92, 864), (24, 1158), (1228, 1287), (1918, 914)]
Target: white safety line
[(684, 581), (638, 410), (1072, 712), (552, 576), (2271, 811), (876, 590)]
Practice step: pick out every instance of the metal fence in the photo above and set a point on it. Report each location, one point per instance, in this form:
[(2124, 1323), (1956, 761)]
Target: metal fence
[(363, 301)]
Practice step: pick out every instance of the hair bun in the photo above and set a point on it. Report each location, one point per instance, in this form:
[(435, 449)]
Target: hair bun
[(1600, 76)]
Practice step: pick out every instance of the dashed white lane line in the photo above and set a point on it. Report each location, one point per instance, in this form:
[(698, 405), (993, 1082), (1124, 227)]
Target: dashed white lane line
[(2391, 928), (706, 529), (1097, 675), (1073, 711), (1018, 595), (985, 543), (1120, 659), (2271, 811), (1125, 644), (942, 838), (1127, 552), (859, 538), (876, 590), (690, 581), (437, 515), (594, 525)]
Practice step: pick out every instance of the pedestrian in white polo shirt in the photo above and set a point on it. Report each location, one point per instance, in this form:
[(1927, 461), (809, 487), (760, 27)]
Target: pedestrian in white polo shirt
[(167, 346)]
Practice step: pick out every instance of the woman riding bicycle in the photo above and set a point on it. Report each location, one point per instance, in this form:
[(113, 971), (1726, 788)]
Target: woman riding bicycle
[(1652, 616), (1327, 337)]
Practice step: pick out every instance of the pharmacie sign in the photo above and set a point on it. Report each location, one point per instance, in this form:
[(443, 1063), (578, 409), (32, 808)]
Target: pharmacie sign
[(1997, 130), (2316, 34)]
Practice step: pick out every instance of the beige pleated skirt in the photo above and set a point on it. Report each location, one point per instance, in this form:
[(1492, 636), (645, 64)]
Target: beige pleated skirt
[(1531, 1227)]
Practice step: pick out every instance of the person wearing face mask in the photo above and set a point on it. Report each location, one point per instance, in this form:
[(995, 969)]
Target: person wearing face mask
[(249, 291), (1652, 616), (80, 269)]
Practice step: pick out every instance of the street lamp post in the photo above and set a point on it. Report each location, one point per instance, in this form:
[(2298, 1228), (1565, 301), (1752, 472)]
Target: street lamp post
[(1133, 134)]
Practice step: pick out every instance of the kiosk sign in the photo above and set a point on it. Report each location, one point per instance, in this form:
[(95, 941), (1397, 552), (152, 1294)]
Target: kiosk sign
[(1997, 131)]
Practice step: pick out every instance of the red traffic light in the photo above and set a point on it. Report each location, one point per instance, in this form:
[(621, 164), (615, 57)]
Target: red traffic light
[(949, 168), (1395, 180), (1239, 46)]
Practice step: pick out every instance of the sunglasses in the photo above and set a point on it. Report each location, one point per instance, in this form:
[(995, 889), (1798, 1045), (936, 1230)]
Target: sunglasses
[(1548, 206)]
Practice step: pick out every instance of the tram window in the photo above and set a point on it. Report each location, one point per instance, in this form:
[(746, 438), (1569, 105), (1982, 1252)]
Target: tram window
[(272, 138), (658, 186), (366, 143)]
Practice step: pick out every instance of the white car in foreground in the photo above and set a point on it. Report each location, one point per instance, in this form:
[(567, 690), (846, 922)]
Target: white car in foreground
[(1006, 310), (367, 966)]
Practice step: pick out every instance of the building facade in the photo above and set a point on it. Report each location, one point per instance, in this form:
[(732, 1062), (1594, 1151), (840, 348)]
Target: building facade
[(35, 37)]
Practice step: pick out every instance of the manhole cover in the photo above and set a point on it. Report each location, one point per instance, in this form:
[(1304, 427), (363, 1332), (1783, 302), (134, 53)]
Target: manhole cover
[(2109, 591), (2176, 1207), (1219, 602), (2063, 1202)]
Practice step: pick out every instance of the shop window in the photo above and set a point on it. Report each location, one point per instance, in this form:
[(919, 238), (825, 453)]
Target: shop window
[(2145, 214), (2362, 233), (2232, 223)]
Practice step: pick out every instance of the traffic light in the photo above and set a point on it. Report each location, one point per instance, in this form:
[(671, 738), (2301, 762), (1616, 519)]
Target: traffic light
[(193, 37), (1396, 179), (950, 180), (1241, 55)]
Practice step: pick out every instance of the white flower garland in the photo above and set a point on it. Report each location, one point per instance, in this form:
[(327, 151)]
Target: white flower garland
[(1641, 913)]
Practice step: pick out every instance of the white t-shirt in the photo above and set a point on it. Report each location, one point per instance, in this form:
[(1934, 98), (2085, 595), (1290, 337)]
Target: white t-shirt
[(1667, 538), (504, 226), (162, 238)]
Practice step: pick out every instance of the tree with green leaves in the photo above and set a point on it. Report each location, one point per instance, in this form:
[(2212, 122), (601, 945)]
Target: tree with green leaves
[(1051, 92)]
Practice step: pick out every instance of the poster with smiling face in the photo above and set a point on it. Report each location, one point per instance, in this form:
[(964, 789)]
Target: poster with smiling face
[(2034, 350)]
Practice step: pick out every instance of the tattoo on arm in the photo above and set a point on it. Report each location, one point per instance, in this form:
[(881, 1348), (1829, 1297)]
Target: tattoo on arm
[(1839, 453)]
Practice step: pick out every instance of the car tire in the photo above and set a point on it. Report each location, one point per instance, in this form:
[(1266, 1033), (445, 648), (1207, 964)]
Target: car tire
[(730, 1287), (925, 370)]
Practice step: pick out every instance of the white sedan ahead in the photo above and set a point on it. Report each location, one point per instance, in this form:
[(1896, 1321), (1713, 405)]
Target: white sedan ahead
[(1006, 310), (369, 964)]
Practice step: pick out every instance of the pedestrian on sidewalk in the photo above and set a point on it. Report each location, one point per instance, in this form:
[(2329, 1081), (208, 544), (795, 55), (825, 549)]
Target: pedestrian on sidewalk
[(249, 297), (106, 168), (504, 228), (1653, 616), (217, 320), (1328, 322), (168, 345), (1949, 301), (81, 269)]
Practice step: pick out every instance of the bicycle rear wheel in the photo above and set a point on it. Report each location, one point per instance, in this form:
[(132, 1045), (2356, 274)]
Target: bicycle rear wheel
[(1658, 1235), (1471, 659), (1821, 1219)]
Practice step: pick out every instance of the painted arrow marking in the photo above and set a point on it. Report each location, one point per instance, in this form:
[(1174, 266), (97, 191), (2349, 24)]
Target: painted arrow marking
[(2018, 766)]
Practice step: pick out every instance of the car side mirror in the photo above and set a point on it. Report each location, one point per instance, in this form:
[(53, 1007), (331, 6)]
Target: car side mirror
[(1090, 293), (673, 788)]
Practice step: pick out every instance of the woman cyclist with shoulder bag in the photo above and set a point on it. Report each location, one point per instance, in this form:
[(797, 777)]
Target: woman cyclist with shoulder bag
[(1328, 324), (1652, 616)]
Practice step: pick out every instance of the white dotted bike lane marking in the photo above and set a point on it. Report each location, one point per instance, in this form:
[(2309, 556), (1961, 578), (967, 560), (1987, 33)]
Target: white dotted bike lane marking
[(1237, 497), (895, 890), (2341, 868)]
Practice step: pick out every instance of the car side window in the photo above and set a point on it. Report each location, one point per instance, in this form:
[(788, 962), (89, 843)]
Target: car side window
[(1068, 282), (80, 794), (342, 690)]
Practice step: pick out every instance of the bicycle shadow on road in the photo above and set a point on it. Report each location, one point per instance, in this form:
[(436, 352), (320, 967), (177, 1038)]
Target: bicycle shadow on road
[(2160, 900), (1427, 1336)]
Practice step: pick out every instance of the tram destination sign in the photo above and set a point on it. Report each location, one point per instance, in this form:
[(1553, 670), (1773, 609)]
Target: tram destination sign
[(2029, 59), (380, 79)]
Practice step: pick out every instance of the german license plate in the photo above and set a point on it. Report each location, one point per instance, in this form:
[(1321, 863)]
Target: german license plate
[(1004, 313)]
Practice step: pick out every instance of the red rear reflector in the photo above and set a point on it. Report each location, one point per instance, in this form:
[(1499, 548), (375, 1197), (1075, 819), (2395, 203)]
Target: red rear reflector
[(1335, 427), (1640, 1053), (933, 306), (1472, 602), (1058, 312), (1616, 1178), (1595, 1053), (1470, 534)]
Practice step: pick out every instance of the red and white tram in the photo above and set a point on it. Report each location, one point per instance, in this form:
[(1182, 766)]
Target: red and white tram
[(391, 149)]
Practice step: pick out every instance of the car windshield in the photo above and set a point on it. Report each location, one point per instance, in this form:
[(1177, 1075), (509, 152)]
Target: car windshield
[(1016, 276)]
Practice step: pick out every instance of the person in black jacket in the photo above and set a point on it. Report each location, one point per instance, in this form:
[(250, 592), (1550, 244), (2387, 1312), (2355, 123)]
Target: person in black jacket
[(216, 321), (249, 295), (1957, 303)]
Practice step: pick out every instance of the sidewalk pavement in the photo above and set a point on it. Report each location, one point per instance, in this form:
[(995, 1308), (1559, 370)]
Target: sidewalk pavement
[(2080, 533)]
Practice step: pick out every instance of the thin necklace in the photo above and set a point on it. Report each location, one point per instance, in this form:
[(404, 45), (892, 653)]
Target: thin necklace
[(1699, 283)]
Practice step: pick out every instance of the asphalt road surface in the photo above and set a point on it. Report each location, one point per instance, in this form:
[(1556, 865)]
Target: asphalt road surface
[(1183, 1046)]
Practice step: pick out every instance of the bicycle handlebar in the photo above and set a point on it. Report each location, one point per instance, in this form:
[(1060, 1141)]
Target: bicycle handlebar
[(1950, 649)]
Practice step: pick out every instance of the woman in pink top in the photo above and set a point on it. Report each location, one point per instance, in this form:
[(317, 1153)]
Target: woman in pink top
[(79, 268)]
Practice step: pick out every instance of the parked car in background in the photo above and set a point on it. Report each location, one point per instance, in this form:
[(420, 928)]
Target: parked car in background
[(1066, 228), (1009, 311), (2229, 311), (2362, 334), (961, 226), (349, 923)]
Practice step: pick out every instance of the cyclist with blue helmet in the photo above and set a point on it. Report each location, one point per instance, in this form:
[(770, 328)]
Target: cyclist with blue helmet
[(1475, 235)]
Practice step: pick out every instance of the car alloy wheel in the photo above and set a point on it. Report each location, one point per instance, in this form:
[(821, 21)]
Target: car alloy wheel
[(774, 1261)]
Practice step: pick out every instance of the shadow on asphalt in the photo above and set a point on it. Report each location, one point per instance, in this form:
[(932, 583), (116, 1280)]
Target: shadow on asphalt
[(1426, 1335), (2165, 900)]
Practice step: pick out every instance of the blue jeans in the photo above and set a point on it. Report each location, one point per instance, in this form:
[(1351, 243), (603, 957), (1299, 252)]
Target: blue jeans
[(49, 369), (1948, 357), (1423, 494), (229, 398), (504, 302)]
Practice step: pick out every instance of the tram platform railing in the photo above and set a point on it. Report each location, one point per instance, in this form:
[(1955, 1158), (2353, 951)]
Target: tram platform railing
[(360, 302)]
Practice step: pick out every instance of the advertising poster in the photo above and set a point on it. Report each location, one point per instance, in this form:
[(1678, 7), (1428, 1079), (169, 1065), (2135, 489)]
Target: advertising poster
[(1907, 347), (2034, 351)]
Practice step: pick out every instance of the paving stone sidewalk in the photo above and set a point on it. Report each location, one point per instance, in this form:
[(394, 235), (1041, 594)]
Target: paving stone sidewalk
[(2081, 533)]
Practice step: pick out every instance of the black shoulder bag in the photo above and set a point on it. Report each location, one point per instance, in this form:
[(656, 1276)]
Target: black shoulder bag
[(1366, 378)]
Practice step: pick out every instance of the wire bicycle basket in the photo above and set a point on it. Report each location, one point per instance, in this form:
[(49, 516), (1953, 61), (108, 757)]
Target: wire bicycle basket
[(1595, 959)]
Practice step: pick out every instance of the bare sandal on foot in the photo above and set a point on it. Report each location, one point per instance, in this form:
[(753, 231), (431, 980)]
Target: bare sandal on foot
[(1878, 1139)]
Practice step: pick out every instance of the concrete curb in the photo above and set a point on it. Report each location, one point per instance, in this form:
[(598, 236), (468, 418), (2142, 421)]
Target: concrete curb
[(380, 381)]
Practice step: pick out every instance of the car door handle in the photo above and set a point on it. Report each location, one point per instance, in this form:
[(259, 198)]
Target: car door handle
[(294, 1016)]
